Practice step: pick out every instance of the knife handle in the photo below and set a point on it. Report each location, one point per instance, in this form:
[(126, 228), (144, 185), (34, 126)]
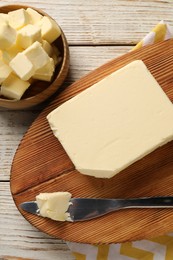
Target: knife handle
[(152, 202)]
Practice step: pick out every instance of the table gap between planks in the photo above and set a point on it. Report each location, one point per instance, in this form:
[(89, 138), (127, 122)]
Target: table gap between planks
[(97, 31)]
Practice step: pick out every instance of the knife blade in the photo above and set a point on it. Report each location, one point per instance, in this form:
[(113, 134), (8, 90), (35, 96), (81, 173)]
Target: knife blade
[(81, 209)]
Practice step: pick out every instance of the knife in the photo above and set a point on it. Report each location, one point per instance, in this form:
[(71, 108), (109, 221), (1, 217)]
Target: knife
[(81, 209)]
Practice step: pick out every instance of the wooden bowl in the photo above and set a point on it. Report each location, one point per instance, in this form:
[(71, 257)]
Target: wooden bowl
[(39, 91)]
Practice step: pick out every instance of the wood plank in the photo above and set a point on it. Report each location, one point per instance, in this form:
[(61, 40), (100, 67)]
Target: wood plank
[(92, 23), (20, 239), (105, 22), (52, 169), (13, 124)]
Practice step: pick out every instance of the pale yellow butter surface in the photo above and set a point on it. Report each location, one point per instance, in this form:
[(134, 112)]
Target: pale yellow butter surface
[(46, 72), (7, 36), (5, 71), (18, 18), (54, 205), (115, 122), (3, 18), (28, 35), (22, 66), (52, 51), (47, 47), (50, 31), (37, 55), (13, 87), (11, 52), (34, 16)]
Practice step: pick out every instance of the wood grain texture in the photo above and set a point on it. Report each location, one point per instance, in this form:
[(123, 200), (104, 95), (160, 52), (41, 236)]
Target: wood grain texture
[(51, 170), (22, 241), (105, 22), (86, 25)]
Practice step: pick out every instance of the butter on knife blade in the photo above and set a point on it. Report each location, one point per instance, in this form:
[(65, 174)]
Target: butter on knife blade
[(54, 205)]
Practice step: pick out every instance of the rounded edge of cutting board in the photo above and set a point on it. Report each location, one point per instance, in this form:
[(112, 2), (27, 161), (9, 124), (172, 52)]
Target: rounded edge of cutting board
[(39, 152)]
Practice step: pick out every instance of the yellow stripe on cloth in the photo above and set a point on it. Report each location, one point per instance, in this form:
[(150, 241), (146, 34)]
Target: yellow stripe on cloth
[(127, 249), (79, 256), (138, 46), (103, 251), (168, 242), (160, 32)]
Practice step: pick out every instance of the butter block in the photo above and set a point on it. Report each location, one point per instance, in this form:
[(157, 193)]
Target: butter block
[(28, 35), (18, 18), (114, 123), (37, 55), (13, 87), (50, 31), (34, 16), (22, 66), (5, 71), (7, 36), (54, 205), (46, 72)]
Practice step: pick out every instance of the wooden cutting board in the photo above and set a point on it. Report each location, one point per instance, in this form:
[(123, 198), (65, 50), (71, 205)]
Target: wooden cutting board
[(41, 165)]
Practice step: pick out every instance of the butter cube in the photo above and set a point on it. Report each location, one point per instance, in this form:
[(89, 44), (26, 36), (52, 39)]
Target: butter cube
[(13, 87), (5, 71), (18, 18), (52, 51), (28, 35), (7, 36), (6, 57), (50, 31), (46, 72), (9, 54), (47, 47), (22, 66), (54, 205), (34, 16), (56, 55), (3, 18), (37, 55)]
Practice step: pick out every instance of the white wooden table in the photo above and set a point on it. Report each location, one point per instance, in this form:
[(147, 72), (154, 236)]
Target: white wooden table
[(97, 31)]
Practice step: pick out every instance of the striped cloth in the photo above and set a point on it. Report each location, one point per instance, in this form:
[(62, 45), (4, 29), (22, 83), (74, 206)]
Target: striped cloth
[(161, 32), (160, 248)]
